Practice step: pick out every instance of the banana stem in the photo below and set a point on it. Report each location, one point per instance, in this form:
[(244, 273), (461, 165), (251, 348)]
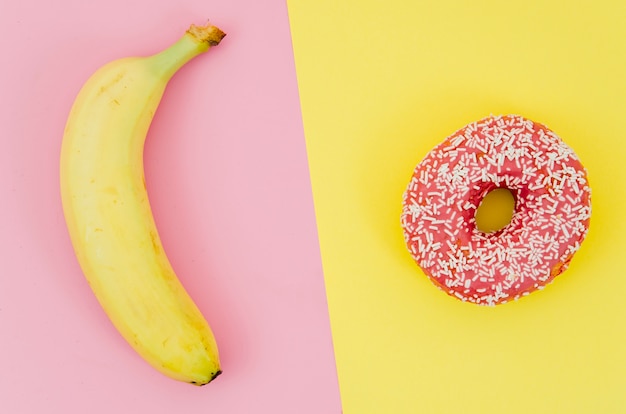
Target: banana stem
[(197, 40), (208, 34)]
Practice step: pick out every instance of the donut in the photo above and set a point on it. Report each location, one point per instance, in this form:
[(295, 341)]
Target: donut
[(550, 221)]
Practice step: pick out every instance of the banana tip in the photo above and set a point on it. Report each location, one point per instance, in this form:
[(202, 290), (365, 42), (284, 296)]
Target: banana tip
[(200, 384)]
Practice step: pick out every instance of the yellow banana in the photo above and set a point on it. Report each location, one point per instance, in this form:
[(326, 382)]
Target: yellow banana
[(109, 218)]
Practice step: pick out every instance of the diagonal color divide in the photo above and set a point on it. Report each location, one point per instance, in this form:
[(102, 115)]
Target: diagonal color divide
[(227, 175), (381, 83)]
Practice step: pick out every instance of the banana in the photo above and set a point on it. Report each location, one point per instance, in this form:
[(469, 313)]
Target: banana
[(109, 218)]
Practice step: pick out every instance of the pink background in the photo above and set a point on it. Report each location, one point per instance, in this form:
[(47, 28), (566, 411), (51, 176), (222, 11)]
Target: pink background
[(227, 174)]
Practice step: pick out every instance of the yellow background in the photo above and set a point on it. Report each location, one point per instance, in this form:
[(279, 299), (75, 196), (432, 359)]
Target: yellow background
[(382, 82)]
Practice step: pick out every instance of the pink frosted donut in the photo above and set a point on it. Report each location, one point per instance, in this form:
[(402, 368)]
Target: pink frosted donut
[(550, 221)]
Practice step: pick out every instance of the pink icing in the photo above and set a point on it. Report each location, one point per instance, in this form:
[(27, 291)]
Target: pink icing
[(551, 218)]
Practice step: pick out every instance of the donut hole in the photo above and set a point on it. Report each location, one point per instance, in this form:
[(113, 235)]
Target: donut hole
[(495, 210)]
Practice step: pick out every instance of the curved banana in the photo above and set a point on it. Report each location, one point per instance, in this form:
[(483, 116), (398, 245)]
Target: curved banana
[(109, 217)]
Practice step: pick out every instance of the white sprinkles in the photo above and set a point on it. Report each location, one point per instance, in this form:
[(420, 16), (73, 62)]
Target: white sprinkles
[(551, 219)]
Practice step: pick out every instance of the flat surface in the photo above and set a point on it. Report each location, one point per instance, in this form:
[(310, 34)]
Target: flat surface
[(381, 83), (228, 179)]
